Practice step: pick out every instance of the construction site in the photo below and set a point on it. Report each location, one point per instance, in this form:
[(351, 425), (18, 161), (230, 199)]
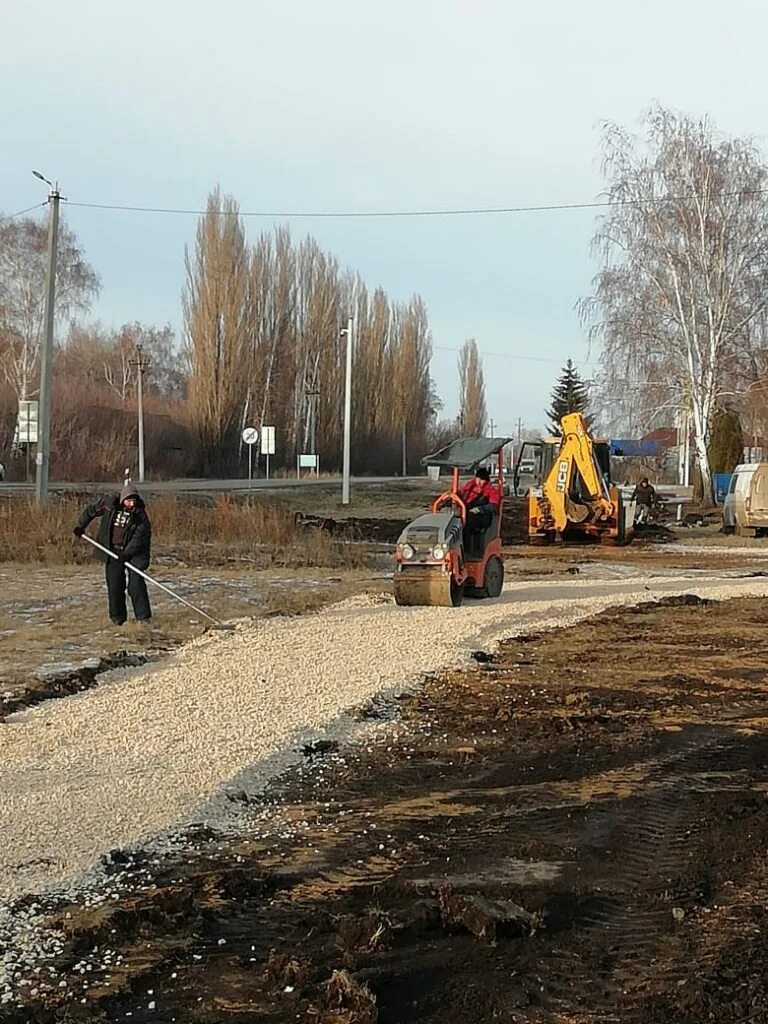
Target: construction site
[(515, 772)]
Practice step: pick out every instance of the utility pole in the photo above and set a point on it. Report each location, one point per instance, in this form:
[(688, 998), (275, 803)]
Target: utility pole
[(312, 394), (405, 449), (492, 427), (347, 413), (43, 458), (141, 365)]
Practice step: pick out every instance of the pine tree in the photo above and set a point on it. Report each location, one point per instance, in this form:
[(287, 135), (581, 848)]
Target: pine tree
[(569, 394), (726, 444)]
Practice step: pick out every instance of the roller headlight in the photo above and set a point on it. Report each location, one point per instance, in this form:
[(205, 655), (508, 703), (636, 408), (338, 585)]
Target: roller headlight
[(439, 551), (407, 552)]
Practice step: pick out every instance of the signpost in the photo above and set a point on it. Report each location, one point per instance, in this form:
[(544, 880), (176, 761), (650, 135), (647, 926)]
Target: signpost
[(268, 444), (250, 436), (26, 426), (307, 462)]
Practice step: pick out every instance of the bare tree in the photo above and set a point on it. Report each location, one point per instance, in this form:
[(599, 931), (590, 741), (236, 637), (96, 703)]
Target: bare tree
[(262, 330), (216, 311), (685, 250), (23, 261), (472, 410)]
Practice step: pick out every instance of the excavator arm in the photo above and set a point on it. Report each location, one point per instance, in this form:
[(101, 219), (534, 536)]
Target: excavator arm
[(576, 455), (574, 496)]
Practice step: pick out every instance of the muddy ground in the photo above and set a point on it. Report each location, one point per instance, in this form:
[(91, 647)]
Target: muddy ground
[(574, 830)]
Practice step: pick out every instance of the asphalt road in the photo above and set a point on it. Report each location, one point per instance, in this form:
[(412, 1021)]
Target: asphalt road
[(177, 486)]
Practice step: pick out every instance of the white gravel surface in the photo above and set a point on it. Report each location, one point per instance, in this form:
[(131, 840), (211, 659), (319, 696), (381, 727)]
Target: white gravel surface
[(152, 749)]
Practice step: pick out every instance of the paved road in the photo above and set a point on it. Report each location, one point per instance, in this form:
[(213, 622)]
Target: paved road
[(177, 486)]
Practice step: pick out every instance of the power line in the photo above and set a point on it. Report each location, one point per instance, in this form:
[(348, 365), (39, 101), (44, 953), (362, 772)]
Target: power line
[(29, 209), (512, 355), (458, 212)]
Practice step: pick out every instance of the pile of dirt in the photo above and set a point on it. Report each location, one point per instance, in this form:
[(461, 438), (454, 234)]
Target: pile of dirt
[(378, 530)]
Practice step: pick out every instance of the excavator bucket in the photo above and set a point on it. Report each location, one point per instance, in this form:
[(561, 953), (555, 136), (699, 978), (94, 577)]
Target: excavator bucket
[(433, 589)]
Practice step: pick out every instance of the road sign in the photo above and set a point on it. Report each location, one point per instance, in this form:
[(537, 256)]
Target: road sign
[(307, 462), (26, 430), (250, 436), (267, 440)]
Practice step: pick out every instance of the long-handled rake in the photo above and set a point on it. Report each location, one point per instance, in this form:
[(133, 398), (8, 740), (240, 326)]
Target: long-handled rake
[(217, 623)]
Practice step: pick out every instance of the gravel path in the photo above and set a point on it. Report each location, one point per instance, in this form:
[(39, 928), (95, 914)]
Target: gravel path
[(150, 750)]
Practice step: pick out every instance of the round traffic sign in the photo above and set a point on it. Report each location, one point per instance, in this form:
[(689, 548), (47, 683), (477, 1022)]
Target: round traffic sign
[(250, 435)]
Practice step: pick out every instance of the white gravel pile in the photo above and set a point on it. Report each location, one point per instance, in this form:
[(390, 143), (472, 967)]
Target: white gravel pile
[(150, 750)]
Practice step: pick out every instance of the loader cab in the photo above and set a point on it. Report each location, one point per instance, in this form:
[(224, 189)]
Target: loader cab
[(536, 459)]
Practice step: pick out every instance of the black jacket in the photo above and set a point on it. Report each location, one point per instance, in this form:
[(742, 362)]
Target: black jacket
[(138, 535), (644, 494)]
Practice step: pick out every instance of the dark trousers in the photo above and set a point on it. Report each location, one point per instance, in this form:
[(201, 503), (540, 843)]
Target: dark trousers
[(478, 522), (137, 588)]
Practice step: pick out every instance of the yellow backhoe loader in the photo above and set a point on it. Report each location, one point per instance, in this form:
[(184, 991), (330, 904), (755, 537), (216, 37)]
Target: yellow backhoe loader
[(571, 497)]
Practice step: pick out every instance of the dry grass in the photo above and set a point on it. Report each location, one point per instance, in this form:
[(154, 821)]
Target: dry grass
[(258, 534)]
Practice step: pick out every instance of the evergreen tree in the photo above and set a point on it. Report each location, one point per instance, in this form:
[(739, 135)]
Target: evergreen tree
[(569, 394), (726, 444)]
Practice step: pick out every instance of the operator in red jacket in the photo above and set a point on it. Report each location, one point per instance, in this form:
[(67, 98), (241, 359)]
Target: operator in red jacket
[(482, 500)]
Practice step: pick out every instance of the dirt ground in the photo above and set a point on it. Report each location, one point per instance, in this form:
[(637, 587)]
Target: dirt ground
[(55, 631), (574, 830)]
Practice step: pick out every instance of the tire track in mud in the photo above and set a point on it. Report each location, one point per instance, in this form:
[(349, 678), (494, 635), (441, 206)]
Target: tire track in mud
[(654, 849)]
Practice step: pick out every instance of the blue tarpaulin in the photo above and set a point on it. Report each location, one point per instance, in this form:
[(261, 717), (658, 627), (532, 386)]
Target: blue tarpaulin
[(635, 448), (720, 484)]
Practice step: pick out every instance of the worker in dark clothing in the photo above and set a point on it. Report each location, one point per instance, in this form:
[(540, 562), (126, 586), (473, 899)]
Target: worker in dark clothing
[(125, 529), (481, 499), (647, 499), (645, 493)]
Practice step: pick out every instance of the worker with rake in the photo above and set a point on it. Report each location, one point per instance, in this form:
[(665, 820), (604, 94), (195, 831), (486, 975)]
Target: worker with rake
[(125, 533)]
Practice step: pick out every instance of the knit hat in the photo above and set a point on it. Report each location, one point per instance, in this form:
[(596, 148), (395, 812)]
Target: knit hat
[(482, 473), (128, 491)]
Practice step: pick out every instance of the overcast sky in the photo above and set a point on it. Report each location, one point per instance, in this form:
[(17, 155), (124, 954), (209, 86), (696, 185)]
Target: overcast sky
[(348, 105)]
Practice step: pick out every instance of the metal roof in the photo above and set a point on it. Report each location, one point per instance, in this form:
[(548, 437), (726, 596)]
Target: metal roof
[(466, 453)]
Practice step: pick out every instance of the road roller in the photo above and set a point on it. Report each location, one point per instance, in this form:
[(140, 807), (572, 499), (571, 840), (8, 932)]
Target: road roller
[(438, 560)]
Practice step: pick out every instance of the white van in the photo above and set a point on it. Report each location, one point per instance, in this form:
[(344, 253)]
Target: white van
[(745, 510)]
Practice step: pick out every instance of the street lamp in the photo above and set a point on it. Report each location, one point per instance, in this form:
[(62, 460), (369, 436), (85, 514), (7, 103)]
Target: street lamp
[(347, 412), (42, 459)]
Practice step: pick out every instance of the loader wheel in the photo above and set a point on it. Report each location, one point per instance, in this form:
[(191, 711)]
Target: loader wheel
[(493, 581)]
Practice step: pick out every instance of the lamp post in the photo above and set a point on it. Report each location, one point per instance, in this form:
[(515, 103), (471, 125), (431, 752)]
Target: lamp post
[(347, 413), (43, 457)]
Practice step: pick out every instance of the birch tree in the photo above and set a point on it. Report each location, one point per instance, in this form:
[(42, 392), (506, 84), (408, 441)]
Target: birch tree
[(684, 247), (23, 262)]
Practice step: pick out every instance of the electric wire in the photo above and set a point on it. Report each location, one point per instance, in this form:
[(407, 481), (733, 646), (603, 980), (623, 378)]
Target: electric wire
[(448, 212), (20, 213)]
